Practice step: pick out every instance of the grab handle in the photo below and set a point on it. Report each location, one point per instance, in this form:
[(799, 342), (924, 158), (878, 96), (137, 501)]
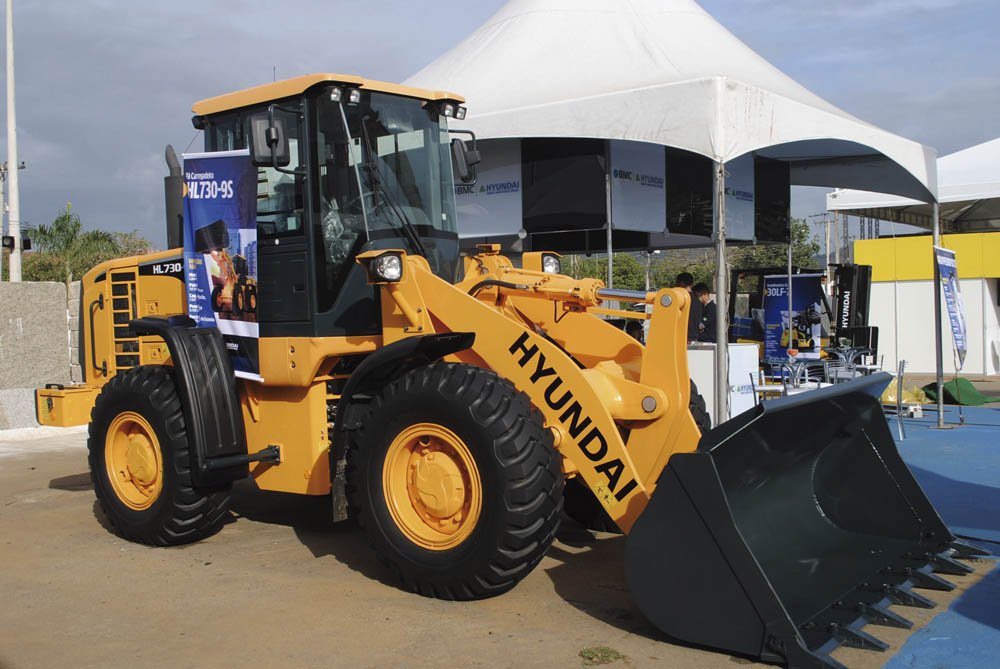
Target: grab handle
[(93, 346)]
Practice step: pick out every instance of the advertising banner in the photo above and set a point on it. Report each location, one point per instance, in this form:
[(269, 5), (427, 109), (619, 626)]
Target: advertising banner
[(492, 205), (740, 198), (638, 186), (806, 317), (220, 251), (948, 267)]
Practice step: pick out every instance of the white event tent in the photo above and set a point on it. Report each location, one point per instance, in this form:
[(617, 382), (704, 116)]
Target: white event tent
[(968, 190), (665, 72)]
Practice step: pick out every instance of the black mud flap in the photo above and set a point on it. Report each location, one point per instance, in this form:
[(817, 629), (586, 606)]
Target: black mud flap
[(206, 383), (791, 527)]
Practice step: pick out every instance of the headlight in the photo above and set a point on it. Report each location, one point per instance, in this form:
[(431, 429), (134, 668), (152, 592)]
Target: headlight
[(388, 267), (551, 264)]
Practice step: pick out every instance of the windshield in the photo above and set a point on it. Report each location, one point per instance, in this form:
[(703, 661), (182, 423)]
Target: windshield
[(396, 154)]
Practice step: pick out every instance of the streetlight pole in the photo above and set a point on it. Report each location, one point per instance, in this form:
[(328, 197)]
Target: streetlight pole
[(14, 208)]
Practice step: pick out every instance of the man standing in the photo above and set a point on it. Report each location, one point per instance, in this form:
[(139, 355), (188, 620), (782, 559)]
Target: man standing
[(706, 328), (686, 281)]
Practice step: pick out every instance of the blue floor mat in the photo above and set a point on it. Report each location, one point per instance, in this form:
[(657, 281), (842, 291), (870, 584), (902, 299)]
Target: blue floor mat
[(959, 470)]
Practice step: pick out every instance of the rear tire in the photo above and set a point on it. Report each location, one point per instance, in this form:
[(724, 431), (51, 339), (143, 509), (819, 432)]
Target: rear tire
[(497, 479), (140, 466)]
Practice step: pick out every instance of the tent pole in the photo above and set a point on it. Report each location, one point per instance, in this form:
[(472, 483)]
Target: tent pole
[(836, 236), (829, 278), (939, 356), (721, 299), (792, 340), (607, 198)]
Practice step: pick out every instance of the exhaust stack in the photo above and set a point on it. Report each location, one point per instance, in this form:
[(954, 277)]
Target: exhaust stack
[(173, 197)]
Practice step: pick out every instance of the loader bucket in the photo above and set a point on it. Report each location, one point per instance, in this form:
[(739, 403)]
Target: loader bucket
[(791, 527)]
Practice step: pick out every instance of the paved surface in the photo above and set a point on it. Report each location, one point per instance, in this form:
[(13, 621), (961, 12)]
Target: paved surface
[(281, 586)]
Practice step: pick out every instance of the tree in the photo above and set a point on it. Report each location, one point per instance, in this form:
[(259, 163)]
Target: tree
[(804, 249), (776, 255), (65, 251), (629, 273), (700, 263)]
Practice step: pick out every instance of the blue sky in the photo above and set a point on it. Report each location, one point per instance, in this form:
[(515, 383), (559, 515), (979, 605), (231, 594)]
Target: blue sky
[(103, 86)]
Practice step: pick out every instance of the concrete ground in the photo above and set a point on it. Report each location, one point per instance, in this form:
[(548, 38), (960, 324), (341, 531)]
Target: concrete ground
[(282, 586)]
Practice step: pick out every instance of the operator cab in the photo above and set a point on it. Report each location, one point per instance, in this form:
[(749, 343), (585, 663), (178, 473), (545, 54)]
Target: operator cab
[(345, 165)]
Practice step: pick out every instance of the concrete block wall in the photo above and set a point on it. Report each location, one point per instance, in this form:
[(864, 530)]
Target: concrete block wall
[(73, 313), (34, 346)]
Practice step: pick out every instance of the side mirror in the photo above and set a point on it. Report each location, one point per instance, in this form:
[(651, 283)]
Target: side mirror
[(268, 141), (465, 160)]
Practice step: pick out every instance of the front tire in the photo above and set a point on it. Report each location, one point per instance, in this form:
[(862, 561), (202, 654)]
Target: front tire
[(139, 462), (456, 481)]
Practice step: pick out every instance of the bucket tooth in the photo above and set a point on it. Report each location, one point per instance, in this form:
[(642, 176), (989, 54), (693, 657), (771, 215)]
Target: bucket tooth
[(899, 595), (923, 578), (906, 597), (943, 564), (966, 550), (879, 615), (856, 638), (876, 614)]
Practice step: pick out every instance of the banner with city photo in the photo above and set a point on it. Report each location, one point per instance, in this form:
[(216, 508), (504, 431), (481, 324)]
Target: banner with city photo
[(220, 251), (948, 267)]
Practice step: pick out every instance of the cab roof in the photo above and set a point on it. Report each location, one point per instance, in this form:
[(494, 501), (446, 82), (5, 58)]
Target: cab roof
[(296, 85)]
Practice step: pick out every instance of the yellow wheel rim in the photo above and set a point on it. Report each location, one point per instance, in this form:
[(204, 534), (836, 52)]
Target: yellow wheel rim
[(432, 487), (133, 460)]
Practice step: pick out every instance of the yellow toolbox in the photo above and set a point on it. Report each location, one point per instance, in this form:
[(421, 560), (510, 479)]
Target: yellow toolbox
[(64, 406)]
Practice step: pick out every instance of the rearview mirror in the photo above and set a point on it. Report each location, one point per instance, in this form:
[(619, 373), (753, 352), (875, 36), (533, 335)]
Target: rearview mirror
[(268, 141), (465, 160)]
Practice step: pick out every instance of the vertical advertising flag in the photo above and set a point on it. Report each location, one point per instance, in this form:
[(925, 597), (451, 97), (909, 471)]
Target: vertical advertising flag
[(948, 268), (220, 242), (806, 329)]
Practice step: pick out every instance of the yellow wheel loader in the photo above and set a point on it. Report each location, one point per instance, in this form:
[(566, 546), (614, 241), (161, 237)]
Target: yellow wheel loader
[(445, 401)]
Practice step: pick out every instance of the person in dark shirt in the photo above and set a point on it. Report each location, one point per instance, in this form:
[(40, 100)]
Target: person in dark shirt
[(706, 328), (686, 281)]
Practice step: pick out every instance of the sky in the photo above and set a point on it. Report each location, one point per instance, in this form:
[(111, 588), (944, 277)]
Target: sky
[(102, 86)]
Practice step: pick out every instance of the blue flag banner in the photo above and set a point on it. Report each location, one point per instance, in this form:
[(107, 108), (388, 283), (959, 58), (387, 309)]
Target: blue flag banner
[(220, 251), (948, 267), (806, 329)]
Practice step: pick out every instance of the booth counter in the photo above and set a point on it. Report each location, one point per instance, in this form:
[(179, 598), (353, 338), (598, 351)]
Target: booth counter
[(743, 364)]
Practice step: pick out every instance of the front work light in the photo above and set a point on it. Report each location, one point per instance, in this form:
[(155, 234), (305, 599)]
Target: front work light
[(336, 93), (551, 264), (460, 113), (448, 109), (354, 96), (388, 267)]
